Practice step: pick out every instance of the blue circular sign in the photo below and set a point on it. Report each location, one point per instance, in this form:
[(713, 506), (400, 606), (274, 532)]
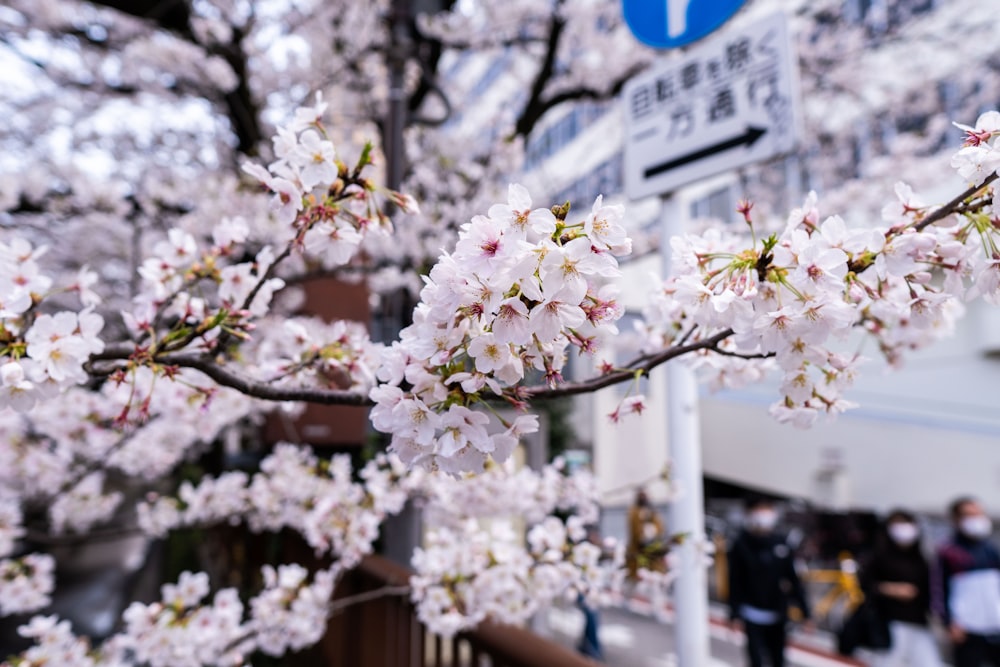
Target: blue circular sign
[(667, 24)]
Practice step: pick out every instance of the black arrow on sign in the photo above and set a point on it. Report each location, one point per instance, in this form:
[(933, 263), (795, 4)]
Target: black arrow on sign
[(748, 139)]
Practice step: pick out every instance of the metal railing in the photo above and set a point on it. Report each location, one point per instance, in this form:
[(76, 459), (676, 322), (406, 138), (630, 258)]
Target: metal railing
[(383, 631)]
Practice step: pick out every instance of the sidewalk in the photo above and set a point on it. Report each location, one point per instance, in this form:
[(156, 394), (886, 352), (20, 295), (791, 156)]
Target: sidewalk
[(633, 636)]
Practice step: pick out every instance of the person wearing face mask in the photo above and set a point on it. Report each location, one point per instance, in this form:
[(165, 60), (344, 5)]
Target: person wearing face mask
[(762, 584), (966, 587), (897, 578)]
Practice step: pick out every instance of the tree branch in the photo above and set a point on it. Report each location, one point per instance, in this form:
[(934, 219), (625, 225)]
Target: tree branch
[(533, 110), (743, 355), (538, 105), (224, 377), (947, 209), (589, 93), (259, 389), (171, 15), (642, 364), (243, 112)]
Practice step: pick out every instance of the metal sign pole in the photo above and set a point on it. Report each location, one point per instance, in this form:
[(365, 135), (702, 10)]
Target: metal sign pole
[(686, 514)]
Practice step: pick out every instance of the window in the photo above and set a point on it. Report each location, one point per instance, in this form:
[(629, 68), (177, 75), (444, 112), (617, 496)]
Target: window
[(605, 179), (562, 132)]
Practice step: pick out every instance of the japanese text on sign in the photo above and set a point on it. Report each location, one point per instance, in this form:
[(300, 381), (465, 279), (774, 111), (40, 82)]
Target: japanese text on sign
[(737, 91)]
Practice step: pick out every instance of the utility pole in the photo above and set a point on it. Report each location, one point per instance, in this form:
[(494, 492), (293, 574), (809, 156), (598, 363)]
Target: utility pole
[(686, 514), (401, 533), (400, 47)]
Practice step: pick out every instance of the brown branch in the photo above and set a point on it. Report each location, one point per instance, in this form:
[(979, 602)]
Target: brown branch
[(642, 365), (947, 209), (210, 365), (590, 93), (262, 390), (743, 355), (533, 110), (243, 109), (224, 377), (537, 104)]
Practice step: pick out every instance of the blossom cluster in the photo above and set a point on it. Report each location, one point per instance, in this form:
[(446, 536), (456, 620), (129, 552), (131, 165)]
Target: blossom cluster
[(195, 290), (471, 572), (655, 584), (291, 613), (463, 575), (26, 583), (181, 631), (521, 288), (503, 490), (499, 551), (794, 297), (294, 489), (54, 638), (186, 629), (300, 350), (335, 514), (979, 159), (331, 208), (41, 353), (58, 463)]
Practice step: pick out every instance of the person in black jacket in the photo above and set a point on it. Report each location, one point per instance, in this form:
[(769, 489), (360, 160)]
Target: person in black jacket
[(762, 584), (897, 579)]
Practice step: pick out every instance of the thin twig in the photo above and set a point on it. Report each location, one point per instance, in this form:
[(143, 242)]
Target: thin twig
[(743, 355), (642, 364), (341, 603), (947, 209)]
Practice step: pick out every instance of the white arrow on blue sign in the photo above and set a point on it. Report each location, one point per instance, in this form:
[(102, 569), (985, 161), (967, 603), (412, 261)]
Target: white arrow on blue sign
[(666, 24)]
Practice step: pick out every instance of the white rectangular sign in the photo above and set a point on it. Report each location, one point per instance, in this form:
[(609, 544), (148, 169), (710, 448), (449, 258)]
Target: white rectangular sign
[(724, 104)]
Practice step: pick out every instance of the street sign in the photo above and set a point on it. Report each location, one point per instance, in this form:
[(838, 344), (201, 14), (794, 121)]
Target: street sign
[(725, 104), (666, 24)]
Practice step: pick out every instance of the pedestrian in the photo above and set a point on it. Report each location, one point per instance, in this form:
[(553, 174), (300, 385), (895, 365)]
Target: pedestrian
[(646, 546), (966, 586), (897, 579), (762, 584), (590, 641)]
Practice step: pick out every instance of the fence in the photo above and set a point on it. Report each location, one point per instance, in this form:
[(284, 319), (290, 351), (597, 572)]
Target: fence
[(383, 631)]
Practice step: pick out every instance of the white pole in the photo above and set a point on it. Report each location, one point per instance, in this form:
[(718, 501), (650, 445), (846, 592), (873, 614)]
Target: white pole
[(686, 513)]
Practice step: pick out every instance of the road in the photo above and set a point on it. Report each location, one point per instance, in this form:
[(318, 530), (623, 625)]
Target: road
[(632, 637)]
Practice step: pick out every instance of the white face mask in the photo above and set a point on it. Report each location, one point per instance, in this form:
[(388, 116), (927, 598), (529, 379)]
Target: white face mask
[(903, 533), (762, 520), (976, 527)]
